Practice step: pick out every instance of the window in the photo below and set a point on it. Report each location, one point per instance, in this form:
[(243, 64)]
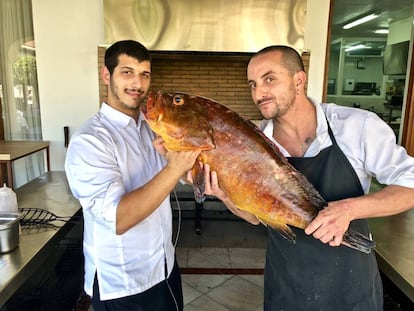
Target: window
[(19, 100), (18, 76)]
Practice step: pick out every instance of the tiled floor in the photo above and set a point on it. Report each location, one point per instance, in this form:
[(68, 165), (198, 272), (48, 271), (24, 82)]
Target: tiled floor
[(222, 292), (222, 268)]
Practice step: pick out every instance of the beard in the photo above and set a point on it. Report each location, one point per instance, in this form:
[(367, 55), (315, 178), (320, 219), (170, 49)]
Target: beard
[(127, 103), (276, 109)]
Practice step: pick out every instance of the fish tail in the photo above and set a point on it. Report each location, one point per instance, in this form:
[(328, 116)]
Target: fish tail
[(358, 241)]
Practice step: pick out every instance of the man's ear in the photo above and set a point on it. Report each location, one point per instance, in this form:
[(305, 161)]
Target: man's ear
[(300, 79), (105, 75)]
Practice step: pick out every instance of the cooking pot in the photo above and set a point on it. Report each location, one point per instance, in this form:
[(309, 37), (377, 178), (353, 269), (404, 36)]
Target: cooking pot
[(9, 231)]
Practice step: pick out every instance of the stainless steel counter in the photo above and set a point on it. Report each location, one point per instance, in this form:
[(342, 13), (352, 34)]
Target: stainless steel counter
[(394, 237), (50, 192)]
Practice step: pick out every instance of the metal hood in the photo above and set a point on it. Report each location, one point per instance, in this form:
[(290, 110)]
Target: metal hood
[(213, 25)]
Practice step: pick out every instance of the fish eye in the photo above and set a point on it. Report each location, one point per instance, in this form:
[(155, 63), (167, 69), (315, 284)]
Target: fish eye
[(178, 100)]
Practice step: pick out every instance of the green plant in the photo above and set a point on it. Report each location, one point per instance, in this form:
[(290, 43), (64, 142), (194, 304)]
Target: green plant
[(24, 68)]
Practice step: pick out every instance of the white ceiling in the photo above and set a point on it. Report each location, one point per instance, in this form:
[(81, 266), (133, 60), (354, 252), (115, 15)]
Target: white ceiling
[(345, 11)]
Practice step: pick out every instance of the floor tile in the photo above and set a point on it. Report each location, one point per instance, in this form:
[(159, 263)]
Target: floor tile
[(205, 282), (238, 294), (208, 257), (204, 303), (255, 279), (189, 293), (247, 258), (181, 254)]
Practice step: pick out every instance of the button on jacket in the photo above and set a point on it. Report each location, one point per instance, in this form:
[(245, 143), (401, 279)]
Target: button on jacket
[(109, 156)]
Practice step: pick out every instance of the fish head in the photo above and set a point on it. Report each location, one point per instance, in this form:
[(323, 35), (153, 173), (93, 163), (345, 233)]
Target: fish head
[(180, 120)]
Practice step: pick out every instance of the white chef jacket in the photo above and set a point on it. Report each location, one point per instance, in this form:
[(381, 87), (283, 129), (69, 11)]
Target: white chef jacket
[(109, 156), (366, 140)]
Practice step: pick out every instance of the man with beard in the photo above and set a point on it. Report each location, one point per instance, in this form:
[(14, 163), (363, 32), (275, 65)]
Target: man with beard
[(123, 184), (339, 149)]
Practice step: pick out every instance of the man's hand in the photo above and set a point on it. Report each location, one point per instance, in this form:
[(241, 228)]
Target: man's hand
[(182, 161), (158, 144), (331, 223)]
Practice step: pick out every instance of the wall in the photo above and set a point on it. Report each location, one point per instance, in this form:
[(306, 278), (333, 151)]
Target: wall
[(67, 35), (221, 77), (400, 31), (364, 69), (316, 30)]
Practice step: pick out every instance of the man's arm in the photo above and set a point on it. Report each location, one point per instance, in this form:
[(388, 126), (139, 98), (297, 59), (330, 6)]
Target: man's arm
[(331, 223), (152, 194)]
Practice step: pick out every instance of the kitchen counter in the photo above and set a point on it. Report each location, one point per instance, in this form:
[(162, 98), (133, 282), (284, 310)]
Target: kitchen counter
[(394, 237), (50, 192)]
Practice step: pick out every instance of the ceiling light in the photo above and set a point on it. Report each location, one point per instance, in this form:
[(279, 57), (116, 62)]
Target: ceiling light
[(356, 47), (381, 31), (361, 20)]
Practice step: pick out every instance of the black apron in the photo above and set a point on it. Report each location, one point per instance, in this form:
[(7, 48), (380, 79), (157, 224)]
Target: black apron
[(311, 275)]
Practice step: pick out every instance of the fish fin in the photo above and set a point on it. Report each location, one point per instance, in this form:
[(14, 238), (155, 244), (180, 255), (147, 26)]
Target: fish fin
[(309, 191), (358, 241), (262, 221), (198, 183), (283, 230), (287, 233)]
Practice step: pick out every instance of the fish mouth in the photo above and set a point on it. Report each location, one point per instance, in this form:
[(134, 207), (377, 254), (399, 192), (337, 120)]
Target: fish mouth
[(153, 113), (150, 102)]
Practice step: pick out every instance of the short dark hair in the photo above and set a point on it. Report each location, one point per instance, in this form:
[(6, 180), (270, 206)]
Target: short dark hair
[(290, 57), (129, 47)]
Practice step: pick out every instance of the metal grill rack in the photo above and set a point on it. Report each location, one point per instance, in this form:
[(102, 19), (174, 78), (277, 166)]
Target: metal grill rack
[(41, 218)]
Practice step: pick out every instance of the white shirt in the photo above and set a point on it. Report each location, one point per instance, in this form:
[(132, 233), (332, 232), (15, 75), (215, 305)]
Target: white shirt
[(367, 141), (109, 156)]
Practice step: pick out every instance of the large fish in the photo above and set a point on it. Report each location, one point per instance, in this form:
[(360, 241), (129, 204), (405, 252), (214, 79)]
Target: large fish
[(250, 168)]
